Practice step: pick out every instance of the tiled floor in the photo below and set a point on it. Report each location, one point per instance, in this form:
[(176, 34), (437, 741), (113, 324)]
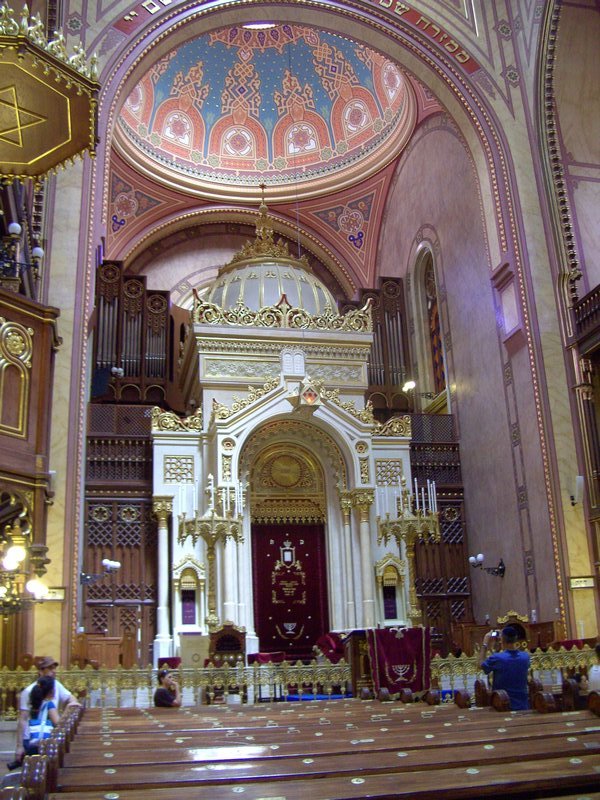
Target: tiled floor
[(7, 744)]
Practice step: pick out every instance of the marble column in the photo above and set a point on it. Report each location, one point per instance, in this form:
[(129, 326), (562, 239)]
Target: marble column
[(162, 508), (230, 581), (350, 607), (362, 500)]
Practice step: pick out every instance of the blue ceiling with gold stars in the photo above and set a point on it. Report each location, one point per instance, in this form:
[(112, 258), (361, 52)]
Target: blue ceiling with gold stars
[(285, 105)]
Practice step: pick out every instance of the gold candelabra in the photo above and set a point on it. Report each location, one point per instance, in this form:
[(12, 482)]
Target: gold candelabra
[(221, 521), (415, 520)]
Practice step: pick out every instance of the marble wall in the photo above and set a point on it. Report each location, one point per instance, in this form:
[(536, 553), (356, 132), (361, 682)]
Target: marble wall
[(490, 379)]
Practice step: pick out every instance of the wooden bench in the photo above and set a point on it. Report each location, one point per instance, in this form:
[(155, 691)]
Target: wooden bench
[(434, 751), (451, 783)]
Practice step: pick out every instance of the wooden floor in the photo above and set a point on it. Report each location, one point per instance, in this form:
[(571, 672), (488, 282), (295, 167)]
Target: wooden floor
[(330, 751)]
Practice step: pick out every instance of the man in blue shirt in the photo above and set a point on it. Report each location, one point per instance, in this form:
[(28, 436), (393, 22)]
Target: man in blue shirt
[(509, 668)]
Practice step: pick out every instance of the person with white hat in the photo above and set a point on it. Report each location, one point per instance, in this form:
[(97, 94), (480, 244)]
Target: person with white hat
[(61, 698)]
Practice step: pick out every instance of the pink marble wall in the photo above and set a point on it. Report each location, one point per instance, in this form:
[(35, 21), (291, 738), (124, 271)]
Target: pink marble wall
[(505, 498)]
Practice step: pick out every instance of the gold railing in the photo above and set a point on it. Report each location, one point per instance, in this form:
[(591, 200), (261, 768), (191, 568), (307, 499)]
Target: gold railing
[(549, 666), (116, 688), (109, 688)]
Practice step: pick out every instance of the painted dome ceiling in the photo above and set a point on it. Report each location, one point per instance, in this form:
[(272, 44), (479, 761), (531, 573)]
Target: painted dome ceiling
[(298, 109)]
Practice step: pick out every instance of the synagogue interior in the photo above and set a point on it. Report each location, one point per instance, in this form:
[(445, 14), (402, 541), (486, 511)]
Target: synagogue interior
[(299, 327)]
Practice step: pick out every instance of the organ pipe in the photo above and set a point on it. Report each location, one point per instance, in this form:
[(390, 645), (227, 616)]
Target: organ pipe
[(132, 328)]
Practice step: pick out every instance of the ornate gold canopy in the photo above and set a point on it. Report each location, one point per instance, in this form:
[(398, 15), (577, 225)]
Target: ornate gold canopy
[(48, 106)]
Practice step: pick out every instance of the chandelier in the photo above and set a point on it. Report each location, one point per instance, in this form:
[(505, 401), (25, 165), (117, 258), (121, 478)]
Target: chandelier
[(22, 564)]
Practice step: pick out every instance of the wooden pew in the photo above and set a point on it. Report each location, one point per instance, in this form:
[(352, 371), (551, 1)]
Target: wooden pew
[(290, 746), (215, 771), (452, 783)]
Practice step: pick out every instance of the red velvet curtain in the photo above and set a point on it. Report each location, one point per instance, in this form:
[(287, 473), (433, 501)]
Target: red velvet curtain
[(290, 587), (400, 658)]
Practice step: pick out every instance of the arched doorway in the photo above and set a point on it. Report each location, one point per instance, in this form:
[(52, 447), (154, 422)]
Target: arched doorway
[(289, 560)]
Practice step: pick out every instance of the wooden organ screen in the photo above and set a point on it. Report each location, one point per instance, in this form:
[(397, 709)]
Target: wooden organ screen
[(119, 525), (132, 334), (442, 570), (389, 360)]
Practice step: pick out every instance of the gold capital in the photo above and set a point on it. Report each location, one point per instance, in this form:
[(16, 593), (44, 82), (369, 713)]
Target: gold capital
[(162, 507), (363, 498)]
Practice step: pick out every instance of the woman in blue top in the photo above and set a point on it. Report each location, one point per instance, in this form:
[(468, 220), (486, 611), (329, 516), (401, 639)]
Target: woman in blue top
[(43, 714)]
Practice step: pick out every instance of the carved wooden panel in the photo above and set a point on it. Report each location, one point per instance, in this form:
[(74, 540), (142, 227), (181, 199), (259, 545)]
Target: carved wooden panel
[(28, 340), (121, 604)]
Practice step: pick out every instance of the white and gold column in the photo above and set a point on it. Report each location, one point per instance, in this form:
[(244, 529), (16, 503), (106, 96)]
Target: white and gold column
[(362, 500), (350, 605), (162, 508)]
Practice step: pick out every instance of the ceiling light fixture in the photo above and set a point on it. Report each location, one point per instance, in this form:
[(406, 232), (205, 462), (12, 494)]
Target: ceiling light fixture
[(259, 26)]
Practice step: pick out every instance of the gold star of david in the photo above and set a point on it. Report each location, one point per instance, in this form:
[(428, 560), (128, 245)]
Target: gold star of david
[(13, 118)]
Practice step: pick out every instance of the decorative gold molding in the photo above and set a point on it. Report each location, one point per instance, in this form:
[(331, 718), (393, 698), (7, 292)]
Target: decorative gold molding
[(285, 509), (16, 349), (512, 615), (363, 414), (388, 471), (298, 432), (364, 470), (191, 562), (283, 315), (456, 669), (396, 426), (226, 462), (221, 411), (389, 561), (178, 469), (35, 33), (168, 421), (49, 99)]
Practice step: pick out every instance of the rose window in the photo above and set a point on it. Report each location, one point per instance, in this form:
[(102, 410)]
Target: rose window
[(178, 129), (238, 142), (301, 139), (356, 117)]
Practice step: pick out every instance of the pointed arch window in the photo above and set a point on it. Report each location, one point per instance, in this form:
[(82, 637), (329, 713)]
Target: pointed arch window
[(434, 328)]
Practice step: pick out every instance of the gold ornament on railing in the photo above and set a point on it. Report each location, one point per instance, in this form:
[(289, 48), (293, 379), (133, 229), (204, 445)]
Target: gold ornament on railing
[(416, 518)]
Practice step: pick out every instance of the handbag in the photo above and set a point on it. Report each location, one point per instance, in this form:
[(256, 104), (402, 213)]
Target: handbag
[(42, 727)]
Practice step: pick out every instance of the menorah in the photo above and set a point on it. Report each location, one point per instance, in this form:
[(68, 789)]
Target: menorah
[(416, 519), (221, 521)]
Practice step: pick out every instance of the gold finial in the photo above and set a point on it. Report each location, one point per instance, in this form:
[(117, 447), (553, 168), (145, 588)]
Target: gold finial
[(264, 245)]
